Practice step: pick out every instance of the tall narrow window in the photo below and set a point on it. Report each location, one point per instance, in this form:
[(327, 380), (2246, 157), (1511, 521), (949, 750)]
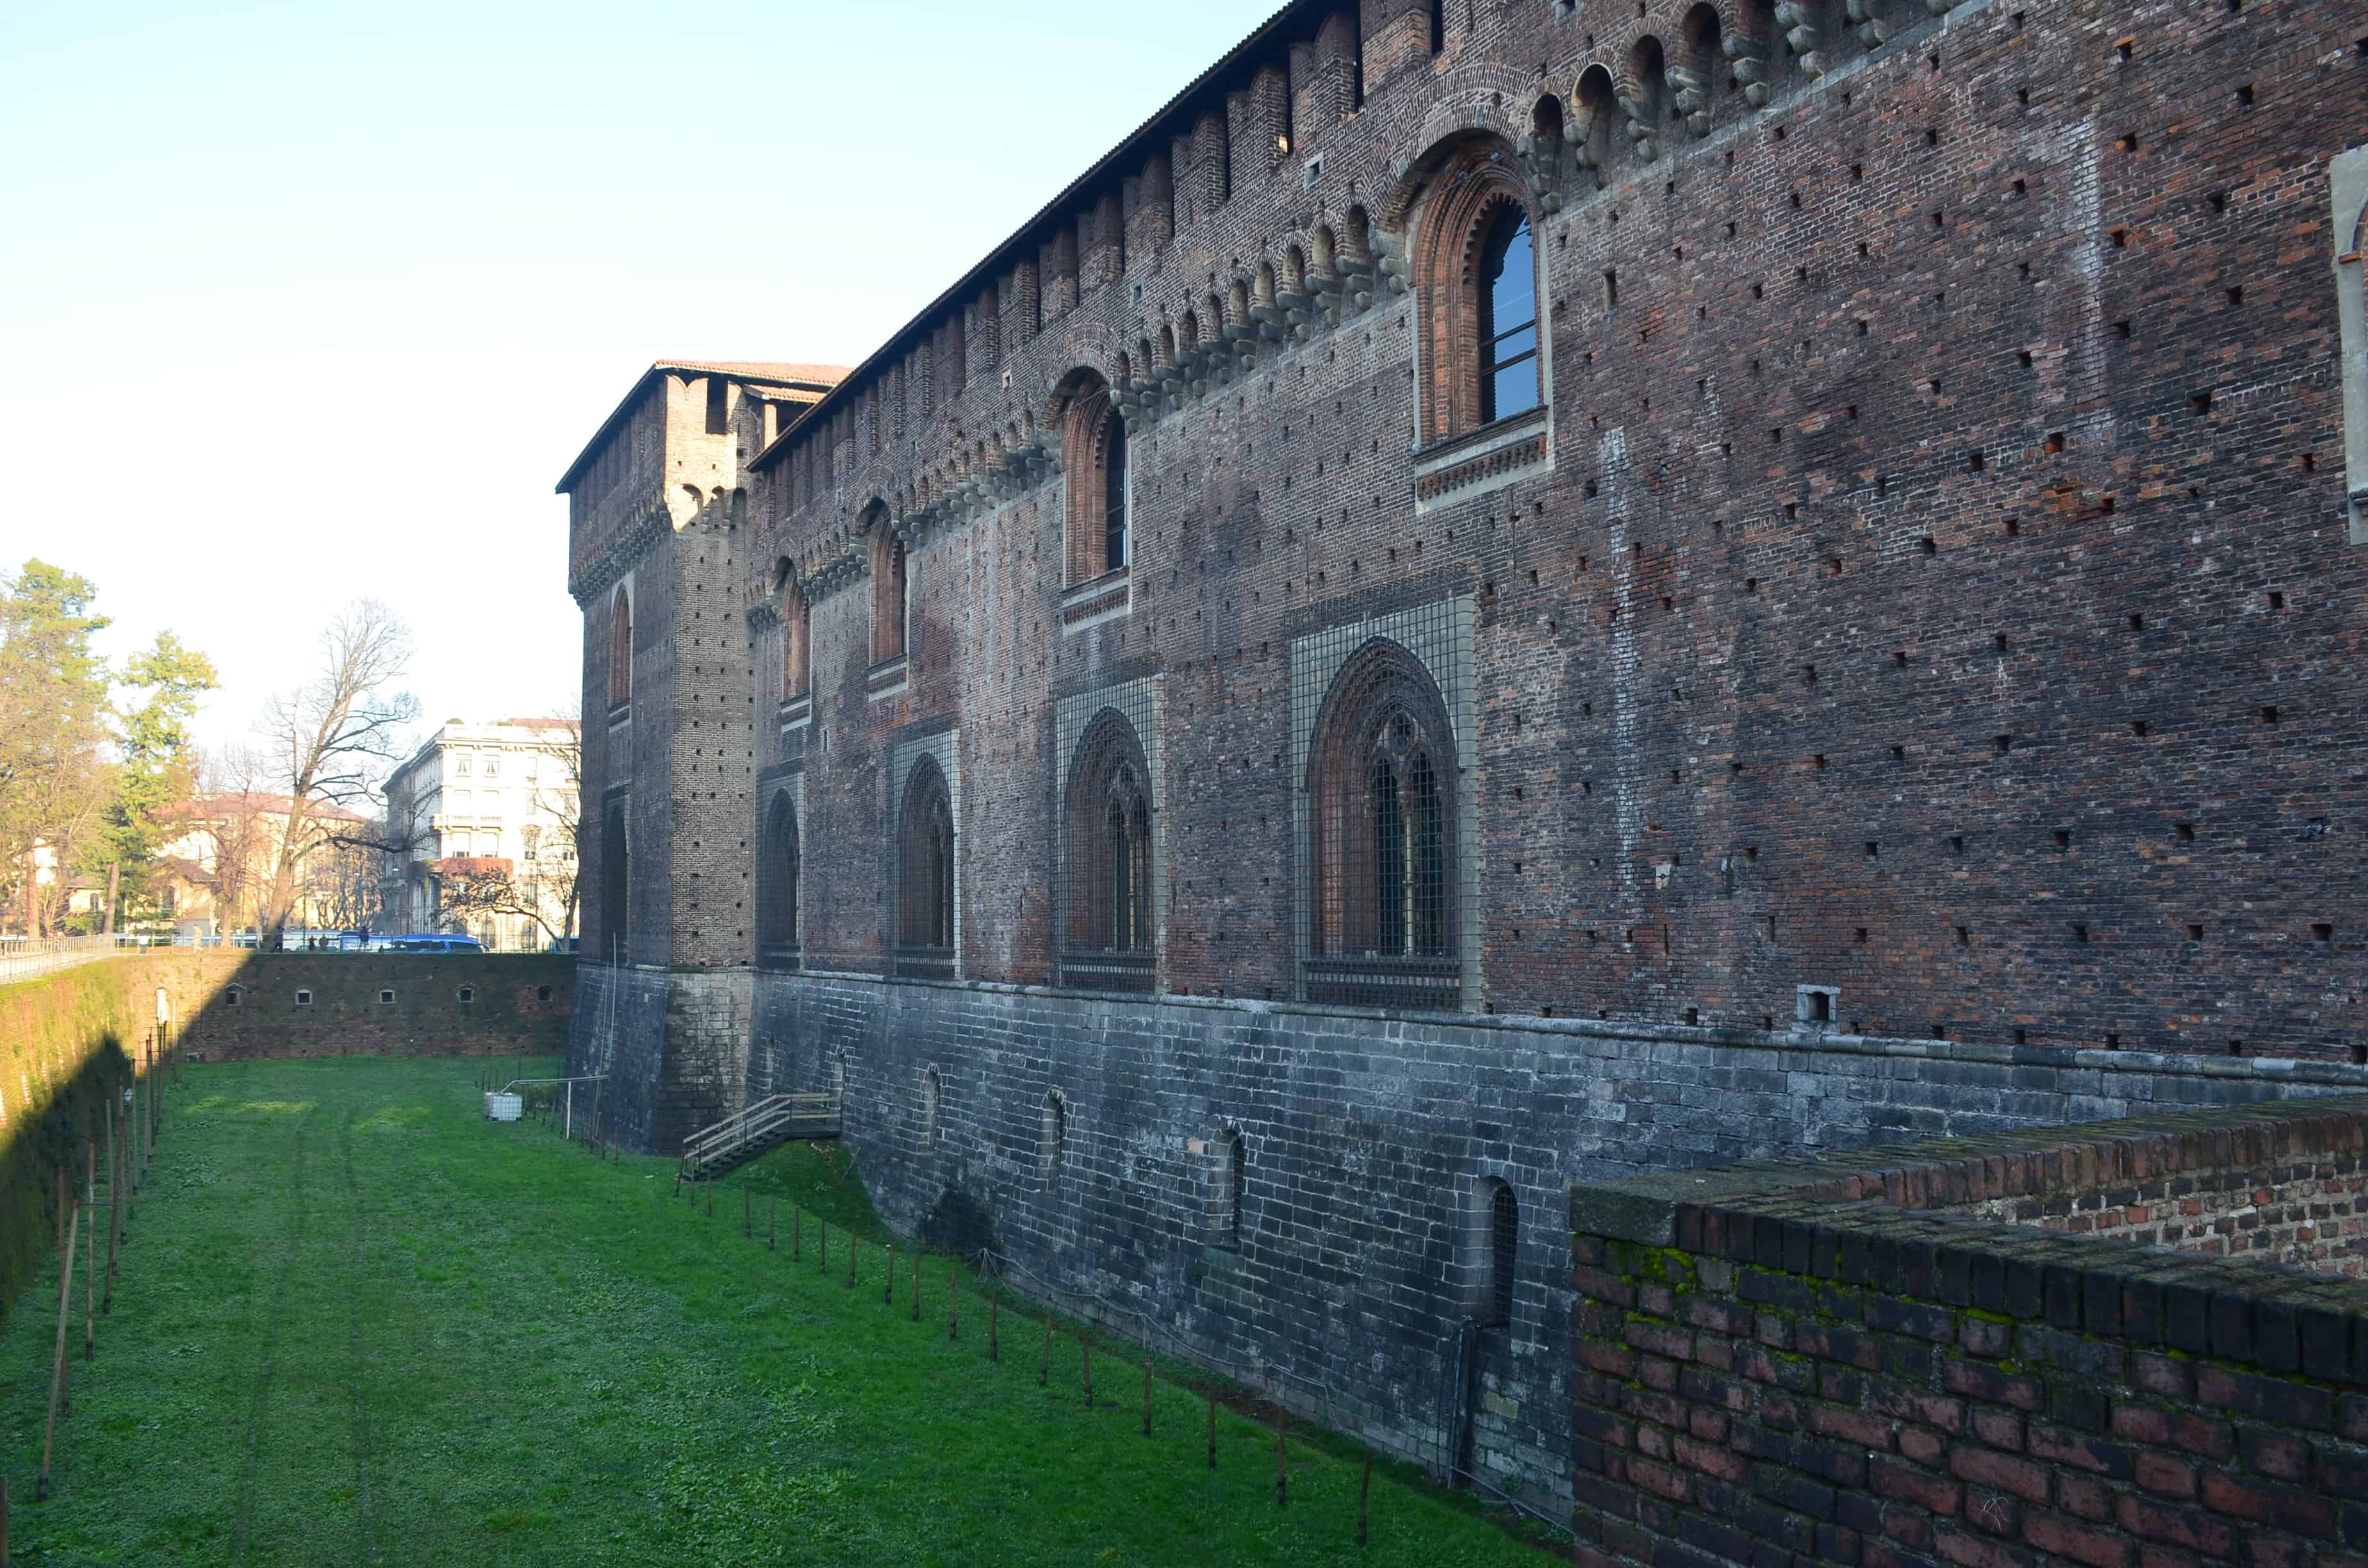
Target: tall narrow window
[(719, 405), (1503, 1249), (797, 625), (620, 650), (777, 887), (925, 893), (1093, 453), (616, 881), (1509, 318), (1382, 828), (1113, 493), (1437, 26), (1107, 852), (888, 586), (1226, 1173), (1052, 1134)]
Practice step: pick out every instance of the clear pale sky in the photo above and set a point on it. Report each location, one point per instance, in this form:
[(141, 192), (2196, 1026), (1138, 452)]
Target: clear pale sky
[(307, 301)]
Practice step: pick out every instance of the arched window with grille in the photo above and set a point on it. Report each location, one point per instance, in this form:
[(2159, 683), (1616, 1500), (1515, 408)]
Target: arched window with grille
[(777, 866), (1499, 1222), (620, 650), (924, 876), (1382, 784), (1093, 453), (1108, 941)]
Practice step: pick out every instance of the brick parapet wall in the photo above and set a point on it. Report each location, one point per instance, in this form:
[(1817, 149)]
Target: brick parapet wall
[(1786, 1360), (508, 1013)]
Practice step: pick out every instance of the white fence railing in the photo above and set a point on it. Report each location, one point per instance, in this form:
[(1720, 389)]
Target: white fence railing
[(21, 957)]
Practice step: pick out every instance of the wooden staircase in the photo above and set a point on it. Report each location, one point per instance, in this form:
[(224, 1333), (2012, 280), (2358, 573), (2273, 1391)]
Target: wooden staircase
[(767, 1124)]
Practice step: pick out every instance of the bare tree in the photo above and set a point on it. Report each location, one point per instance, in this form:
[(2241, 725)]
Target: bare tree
[(331, 740)]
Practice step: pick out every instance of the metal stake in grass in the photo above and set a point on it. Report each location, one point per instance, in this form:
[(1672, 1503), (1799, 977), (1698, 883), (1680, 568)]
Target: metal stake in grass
[(993, 1327), (90, 1252), (797, 1234), (851, 1250), (1146, 1395), (114, 1209), (1364, 1491), (747, 1217), (917, 1284), (1212, 1429), (825, 1245), (58, 1395), (888, 1292), (772, 1223), (4, 1521), (1044, 1366), (1085, 1355), (953, 1303)]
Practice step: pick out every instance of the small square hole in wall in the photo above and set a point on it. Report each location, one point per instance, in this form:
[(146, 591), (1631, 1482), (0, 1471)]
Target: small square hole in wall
[(386, 995), (303, 998), (1816, 1004), (2245, 95), (232, 997), (2322, 933), (543, 993), (468, 994), (2194, 933), (2184, 832)]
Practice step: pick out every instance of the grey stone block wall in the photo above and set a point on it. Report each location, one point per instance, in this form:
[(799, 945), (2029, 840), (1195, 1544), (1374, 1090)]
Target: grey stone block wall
[(1368, 1139)]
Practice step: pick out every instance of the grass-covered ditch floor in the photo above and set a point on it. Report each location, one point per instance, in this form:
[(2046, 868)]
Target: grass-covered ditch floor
[(357, 1323)]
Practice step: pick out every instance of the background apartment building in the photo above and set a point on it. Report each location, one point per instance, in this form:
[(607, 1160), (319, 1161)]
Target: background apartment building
[(482, 819)]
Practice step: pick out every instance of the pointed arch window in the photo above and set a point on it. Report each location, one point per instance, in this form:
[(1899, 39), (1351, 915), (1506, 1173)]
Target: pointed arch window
[(1094, 454), (620, 650), (1476, 271), (888, 586), (1499, 1251), (924, 876), (1382, 783), (1108, 944), (778, 868), (797, 640)]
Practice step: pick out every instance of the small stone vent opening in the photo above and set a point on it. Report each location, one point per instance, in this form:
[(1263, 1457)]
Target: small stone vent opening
[(1496, 1252), (930, 1088), (1228, 1170)]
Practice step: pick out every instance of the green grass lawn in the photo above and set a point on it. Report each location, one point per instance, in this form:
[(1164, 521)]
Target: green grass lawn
[(357, 1323)]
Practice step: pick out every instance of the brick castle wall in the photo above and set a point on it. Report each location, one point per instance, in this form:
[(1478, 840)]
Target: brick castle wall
[(1356, 1266), (516, 1005), (1788, 1362)]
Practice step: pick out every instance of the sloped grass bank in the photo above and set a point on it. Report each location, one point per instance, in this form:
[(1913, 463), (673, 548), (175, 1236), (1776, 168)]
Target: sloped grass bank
[(358, 1324)]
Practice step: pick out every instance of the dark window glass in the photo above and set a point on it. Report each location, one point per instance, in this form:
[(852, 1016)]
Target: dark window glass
[(1504, 1243), (1508, 319), (1114, 495)]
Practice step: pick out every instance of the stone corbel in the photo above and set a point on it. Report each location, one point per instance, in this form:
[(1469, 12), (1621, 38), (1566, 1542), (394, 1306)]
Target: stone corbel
[(1801, 33), (1692, 99), (1640, 129), (1872, 31)]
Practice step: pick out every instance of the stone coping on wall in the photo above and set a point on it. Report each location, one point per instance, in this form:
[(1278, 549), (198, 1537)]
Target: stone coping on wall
[(1871, 1219), (2280, 1070)]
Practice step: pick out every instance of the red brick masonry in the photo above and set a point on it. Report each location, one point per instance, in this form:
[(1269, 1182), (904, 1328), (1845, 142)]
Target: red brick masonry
[(1820, 1361)]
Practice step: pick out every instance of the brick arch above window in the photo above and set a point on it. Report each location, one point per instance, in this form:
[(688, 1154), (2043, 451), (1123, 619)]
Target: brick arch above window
[(1473, 201)]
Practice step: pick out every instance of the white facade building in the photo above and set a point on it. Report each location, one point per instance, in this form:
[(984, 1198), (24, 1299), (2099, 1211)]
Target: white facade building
[(487, 812)]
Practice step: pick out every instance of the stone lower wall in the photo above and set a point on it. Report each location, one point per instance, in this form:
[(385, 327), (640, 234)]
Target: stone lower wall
[(673, 1044), (1819, 1362), (1370, 1142)]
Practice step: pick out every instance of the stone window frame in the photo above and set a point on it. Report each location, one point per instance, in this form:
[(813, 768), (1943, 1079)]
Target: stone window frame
[(1439, 636), (2347, 178), (933, 1095), (1087, 415), (1137, 703), (1228, 1176), (466, 995), (790, 793), (303, 998), (1474, 178), (944, 749), (1488, 1282), (385, 995)]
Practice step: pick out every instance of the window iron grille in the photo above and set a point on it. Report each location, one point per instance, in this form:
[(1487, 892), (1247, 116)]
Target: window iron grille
[(1109, 942), (925, 899)]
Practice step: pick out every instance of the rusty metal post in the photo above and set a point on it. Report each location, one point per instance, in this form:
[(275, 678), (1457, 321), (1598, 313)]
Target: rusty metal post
[(888, 1291), (772, 1224), (917, 1284), (1364, 1491), (1044, 1366), (953, 1303), (1085, 1355), (1146, 1393), (1212, 1429), (1281, 1459)]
